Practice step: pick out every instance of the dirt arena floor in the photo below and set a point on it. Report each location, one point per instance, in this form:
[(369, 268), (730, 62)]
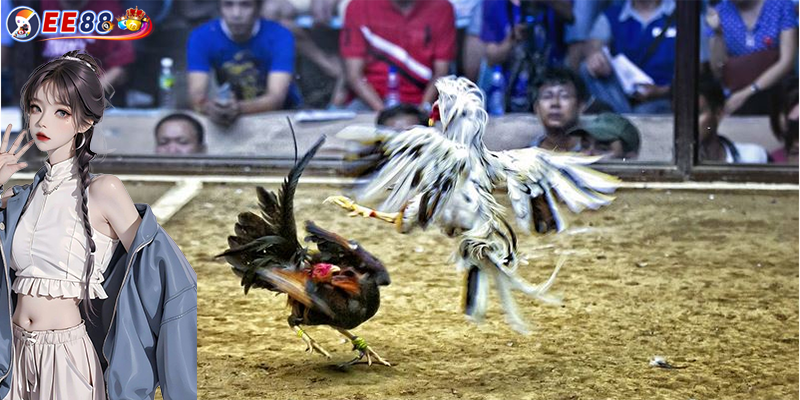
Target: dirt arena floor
[(709, 281)]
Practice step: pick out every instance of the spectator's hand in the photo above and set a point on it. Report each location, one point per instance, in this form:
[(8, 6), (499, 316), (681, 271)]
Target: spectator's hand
[(222, 113), (322, 11), (736, 100), (712, 19), (519, 33), (597, 64), (214, 112), (647, 92)]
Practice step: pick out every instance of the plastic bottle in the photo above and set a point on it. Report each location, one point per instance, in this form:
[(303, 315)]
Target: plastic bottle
[(224, 94), (166, 84), (497, 93), (392, 88), (519, 93)]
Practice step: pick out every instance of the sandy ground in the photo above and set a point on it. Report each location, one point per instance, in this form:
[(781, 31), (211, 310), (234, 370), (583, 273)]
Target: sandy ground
[(708, 281)]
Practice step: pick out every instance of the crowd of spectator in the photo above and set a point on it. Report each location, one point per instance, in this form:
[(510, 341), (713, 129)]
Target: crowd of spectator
[(559, 59)]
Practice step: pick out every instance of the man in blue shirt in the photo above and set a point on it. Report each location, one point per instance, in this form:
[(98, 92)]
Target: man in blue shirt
[(253, 56), (644, 31)]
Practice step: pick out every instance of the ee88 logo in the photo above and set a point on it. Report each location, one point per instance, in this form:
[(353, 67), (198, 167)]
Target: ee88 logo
[(69, 22)]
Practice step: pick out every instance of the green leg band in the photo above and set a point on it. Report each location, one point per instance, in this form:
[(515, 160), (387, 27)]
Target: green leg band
[(359, 344)]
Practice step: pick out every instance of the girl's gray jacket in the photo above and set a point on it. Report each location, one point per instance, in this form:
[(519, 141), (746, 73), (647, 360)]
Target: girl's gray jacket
[(145, 332)]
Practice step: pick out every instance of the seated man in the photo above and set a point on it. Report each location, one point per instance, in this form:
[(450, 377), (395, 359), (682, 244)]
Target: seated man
[(558, 98), (713, 146), (610, 135), (644, 32), (254, 56), (179, 134), (416, 37)]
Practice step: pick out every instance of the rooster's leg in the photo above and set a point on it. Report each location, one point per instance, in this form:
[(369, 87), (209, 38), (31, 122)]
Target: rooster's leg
[(363, 350), (311, 344), (358, 210)]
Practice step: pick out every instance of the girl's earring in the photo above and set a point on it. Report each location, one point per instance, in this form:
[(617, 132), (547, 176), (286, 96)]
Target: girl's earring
[(83, 140)]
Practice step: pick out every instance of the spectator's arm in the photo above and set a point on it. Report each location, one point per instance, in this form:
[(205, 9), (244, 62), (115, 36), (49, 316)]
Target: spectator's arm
[(773, 74), (353, 48), (444, 50), (788, 54), (198, 68), (718, 54), (596, 62), (497, 53), (562, 8), (472, 52), (277, 88), (354, 71), (440, 69), (716, 43), (580, 50), (495, 31), (651, 92), (198, 89)]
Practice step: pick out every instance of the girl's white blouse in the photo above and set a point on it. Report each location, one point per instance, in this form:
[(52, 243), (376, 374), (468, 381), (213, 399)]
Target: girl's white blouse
[(49, 248)]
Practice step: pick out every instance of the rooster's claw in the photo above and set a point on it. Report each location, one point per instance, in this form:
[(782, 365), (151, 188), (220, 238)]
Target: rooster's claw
[(363, 350), (311, 344)]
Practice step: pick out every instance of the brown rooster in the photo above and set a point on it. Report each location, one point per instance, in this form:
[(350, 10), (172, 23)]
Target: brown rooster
[(336, 285)]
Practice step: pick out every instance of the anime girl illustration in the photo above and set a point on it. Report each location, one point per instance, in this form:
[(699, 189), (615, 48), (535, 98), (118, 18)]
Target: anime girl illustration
[(101, 302)]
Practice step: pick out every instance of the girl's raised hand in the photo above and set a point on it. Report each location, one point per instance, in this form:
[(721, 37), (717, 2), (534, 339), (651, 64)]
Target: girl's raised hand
[(9, 158)]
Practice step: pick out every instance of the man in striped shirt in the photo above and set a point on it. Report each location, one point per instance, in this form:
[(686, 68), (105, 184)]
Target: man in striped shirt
[(417, 38)]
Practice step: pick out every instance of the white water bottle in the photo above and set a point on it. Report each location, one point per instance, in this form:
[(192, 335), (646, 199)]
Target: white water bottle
[(166, 84), (497, 93), (392, 88)]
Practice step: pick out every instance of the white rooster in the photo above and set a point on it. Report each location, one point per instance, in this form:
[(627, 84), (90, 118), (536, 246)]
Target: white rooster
[(446, 177)]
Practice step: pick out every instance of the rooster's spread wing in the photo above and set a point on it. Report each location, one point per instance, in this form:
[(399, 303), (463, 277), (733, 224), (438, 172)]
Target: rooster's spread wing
[(422, 163), (532, 174)]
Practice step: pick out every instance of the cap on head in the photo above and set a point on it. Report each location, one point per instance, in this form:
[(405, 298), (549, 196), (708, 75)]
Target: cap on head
[(608, 127)]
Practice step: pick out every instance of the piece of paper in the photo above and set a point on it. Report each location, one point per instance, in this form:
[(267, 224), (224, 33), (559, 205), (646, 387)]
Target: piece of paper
[(630, 76), (323, 115)]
